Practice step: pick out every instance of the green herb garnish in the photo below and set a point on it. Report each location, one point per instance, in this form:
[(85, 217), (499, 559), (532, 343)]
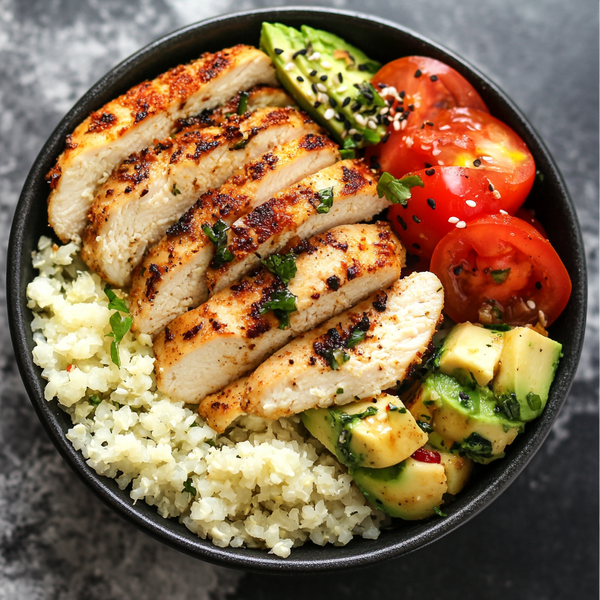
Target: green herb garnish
[(534, 401), (339, 391), (336, 358), (347, 153), (326, 197), (367, 95), (500, 276), (188, 487), (175, 191), (497, 326), (217, 234), (282, 266), (282, 303), (241, 144), (243, 103), (510, 406), (115, 303), (95, 400), (438, 512), (119, 325), (425, 427), (355, 338), (397, 191)]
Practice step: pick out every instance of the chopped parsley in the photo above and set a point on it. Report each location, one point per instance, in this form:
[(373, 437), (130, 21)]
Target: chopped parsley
[(397, 191), (282, 303), (497, 326), (188, 487), (282, 266), (326, 197), (243, 103), (355, 338), (119, 325), (534, 401), (510, 406), (500, 276), (217, 234), (241, 144), (438, 512), (175, 190), (336, 358), (425, 427), (339, 391), (95, 400), (115, 303), (347, 151)]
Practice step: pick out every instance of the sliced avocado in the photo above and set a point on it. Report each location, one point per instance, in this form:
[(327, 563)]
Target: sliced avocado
[(470, 417), (527, 366), (410, 490), (375, 433), (330, 79), (457, 468), (469, 349)]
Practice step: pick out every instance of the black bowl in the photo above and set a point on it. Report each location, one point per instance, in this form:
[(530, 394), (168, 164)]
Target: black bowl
[(549, 198)]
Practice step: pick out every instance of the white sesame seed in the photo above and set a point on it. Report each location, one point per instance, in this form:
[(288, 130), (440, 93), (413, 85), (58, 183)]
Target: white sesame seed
[(315, 56), (322, 97), (397, 116), (425, 147), (353, 131), (344, 134), (487, 158), (531, 304), (342, 89), (496, 194), (392, 90), (396, 126), (453, 220), (461, 225), (444, 128), (404, 124), (360, 119), (436, 152), (326, 65), (372, 124), (502, 212), (409, 142), (289, 66), (329, 113), (471, 203), (384, 92), (384, 110), (321, 87), (542, 318)]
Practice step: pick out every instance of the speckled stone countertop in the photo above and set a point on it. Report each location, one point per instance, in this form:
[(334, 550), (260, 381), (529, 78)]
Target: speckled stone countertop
[(538, 541)]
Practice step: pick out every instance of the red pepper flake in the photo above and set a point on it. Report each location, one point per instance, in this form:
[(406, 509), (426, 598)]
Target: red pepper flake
[(70, 368), (427, 456)]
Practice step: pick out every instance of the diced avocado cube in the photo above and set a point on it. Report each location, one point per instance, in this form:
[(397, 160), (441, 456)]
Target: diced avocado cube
[(470, 417), (329, 79), (527, 366), (410, 490), (375, 433), (470, 349), (458, 469)]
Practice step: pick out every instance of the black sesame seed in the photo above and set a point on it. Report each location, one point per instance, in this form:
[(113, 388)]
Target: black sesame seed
[(375, 166), (458, 270), (434, 78), (340, 78), (346, 101), (323, 78), (411, 107), (416, 219), (538, 285), (357, 137), (339, 117), (386, 121), (416, 246), (418, 73), (430, 172), (356, 106), (300, 78), (362, 67), (476, 163), (401, 221), (428, 165), (430, 123), (317, 104), (381, 86), (296, 54), (402, 94), (385, 138), (431, 203), (491, 187), (278, 51), (332, 102), (313, 73), (368, 95)]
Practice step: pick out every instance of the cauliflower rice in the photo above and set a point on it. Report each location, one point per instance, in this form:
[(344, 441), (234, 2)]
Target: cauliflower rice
[(263, 485)]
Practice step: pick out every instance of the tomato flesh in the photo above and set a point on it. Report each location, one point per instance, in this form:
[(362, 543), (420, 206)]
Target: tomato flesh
[(427, 456), (449, 195), (501, 269)]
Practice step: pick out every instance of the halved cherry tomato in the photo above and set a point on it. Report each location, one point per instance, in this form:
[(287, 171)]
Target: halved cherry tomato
[(450, 197), (501, 269), (426, 86), (464, 137)]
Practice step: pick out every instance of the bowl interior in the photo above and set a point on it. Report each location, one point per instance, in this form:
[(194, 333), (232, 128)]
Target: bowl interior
[(383, 41)]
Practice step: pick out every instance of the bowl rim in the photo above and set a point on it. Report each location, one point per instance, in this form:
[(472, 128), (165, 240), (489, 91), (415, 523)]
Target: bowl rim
[(252, 560)]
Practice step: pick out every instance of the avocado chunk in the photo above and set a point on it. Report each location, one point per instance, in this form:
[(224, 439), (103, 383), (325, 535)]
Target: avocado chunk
[(330, 80), (409, 490), (470, 417), (457, 468), (377, 432), (527, 366), (471, 350)]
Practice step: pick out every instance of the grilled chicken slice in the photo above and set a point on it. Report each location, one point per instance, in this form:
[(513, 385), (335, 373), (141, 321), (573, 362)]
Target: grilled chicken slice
[(220, 410), (400, 323), (171, 278), (153, 188), (299, 211), (132, 121), (211, 346), (260, 96)]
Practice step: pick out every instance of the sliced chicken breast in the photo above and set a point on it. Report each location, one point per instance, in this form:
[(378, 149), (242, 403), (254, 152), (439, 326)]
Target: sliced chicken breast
[(171, 278), (299, 211), (399, 324), (220, 410), (260, 96), (153, 188), (132, 121), (211, 346)]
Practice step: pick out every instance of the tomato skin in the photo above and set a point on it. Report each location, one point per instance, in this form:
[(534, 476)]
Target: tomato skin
[(424, 221), (464, 137), (528, 216), (427, 456), (447, 89), (465, 258)]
